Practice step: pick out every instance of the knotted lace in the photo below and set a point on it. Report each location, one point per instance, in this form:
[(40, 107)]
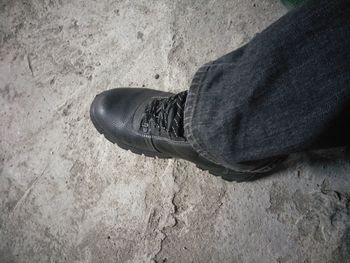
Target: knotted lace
[(167, 114)]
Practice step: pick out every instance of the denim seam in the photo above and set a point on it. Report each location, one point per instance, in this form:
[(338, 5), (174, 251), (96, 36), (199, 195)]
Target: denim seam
[(190, 106)]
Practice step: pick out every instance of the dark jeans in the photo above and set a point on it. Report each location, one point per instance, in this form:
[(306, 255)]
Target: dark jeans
[(286, 91)]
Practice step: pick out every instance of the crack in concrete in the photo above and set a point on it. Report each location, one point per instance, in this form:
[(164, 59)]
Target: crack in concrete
[(172, 214), (30, 64), (29, 188), (221, 198)]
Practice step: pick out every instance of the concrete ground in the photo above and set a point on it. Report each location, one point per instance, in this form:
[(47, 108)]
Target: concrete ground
[(68, 195)]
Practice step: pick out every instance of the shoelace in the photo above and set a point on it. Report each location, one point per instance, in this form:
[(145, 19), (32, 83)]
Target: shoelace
[(167, 114)]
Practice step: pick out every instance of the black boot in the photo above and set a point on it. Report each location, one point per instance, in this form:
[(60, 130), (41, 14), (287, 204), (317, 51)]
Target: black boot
[(150, 122)]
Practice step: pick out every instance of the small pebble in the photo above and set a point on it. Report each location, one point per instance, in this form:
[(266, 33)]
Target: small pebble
[(156, 76)]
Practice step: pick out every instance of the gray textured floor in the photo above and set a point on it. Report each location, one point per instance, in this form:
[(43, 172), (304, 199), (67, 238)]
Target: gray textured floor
[(68, 195)]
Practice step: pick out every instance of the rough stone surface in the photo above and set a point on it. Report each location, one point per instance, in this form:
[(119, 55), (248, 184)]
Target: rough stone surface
[(68, 195)]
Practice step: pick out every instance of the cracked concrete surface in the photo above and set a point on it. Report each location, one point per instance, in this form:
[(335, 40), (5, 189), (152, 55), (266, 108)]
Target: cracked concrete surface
[(68, 195)]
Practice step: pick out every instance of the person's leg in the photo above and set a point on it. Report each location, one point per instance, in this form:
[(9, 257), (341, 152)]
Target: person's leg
[(283, 92), (286, 91)]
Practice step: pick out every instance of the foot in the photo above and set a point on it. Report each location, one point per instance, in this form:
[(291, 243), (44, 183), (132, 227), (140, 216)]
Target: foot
[(150, 122)]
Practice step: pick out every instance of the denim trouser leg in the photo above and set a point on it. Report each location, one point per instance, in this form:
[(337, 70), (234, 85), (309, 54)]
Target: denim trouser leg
[(286, 91)]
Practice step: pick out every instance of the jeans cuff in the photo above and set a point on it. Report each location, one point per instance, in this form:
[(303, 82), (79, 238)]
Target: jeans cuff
[(190, 108), (191, 129)]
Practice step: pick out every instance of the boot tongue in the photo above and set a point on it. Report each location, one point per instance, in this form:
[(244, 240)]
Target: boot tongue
[(171, 115)]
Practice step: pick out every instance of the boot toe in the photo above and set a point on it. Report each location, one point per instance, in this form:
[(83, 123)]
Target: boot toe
[(99, 113), (111, 111)]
